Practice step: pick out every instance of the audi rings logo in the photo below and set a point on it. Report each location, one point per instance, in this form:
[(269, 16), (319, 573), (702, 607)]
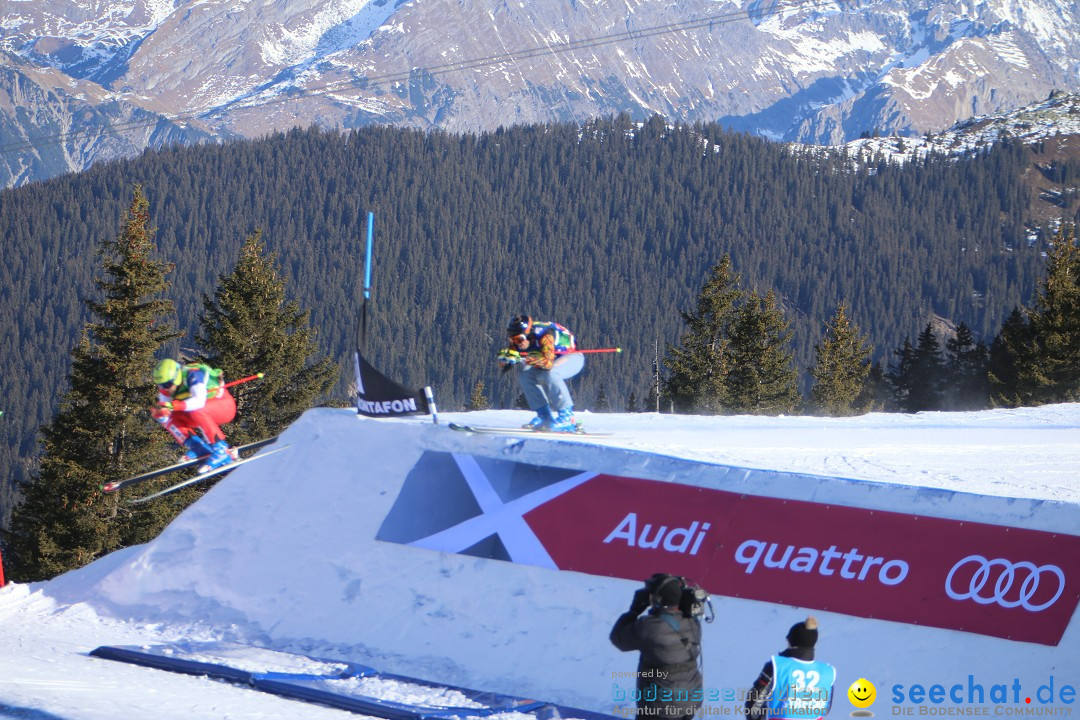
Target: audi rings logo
[(1000, 591)]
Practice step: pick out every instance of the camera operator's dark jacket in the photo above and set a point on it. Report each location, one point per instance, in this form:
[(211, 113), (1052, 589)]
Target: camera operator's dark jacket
[(673, 653)]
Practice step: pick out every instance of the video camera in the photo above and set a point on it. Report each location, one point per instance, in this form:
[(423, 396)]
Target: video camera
[(693, 599)]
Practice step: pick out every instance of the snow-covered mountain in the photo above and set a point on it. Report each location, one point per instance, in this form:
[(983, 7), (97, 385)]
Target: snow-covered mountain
[(812, 71), (52, 123), (1055, 120), (1052, 125), (326, 550)]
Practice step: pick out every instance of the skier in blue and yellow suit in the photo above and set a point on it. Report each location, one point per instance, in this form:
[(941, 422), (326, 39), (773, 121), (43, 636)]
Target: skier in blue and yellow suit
[(192, 399), (537, 347)]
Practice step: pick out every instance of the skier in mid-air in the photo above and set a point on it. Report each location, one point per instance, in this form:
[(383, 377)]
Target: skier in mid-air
[(191, 400), (537, 347)]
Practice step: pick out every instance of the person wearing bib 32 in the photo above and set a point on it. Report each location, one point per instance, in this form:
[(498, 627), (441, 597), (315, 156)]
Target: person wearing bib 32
[(793, 685), (192, 400), (537, 347)]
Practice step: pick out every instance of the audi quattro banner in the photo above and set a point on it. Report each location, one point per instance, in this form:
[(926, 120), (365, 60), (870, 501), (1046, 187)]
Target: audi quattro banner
[(1006, 582), (1001, 581)]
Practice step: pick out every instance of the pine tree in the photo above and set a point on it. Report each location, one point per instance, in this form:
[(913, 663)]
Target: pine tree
[(478, 400), (875, 395), (965, 369), (761, 376), (656, 402), (1011, 374), (900, 377), (601, 403), (249, 327), (1055, 322), (699, 366), (842, 367), (101, 431), (928, 373), (631, 403)]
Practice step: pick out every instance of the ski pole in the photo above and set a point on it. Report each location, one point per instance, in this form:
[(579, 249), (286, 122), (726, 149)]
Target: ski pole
[(249, 378), (596, 350)]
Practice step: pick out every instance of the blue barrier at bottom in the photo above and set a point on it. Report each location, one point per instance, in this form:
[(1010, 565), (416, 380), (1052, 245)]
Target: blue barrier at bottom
[(344, 685)]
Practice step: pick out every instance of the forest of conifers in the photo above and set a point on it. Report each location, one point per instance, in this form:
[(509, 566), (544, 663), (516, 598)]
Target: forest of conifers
[(609, 228)]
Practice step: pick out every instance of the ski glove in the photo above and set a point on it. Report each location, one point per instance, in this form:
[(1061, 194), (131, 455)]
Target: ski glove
[(641, 602), (508, 356)]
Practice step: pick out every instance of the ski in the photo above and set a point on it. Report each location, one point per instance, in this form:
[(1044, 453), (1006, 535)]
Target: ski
[(487, 430), (209, 474), (182, 465)]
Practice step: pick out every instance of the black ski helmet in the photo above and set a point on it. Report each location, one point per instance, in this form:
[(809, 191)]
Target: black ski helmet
[(519, 325), (665, 590)]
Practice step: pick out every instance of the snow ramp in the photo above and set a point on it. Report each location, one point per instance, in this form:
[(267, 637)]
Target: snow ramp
[(501, 562)]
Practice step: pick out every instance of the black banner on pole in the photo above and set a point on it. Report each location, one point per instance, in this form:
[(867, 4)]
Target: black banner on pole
[(379, 396)]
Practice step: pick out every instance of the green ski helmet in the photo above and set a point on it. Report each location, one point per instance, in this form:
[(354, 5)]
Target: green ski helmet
[(167, 372)]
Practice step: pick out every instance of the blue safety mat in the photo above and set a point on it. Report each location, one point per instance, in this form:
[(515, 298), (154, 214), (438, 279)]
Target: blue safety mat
[(344, 685)]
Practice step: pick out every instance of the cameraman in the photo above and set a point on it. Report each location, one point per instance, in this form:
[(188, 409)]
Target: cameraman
[(669, 640)]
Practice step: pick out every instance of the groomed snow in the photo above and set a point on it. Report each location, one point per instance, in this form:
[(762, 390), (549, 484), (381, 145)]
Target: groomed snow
[(281, 555)]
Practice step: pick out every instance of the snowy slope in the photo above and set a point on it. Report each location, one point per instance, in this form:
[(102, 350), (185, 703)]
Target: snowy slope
[(282, 555)]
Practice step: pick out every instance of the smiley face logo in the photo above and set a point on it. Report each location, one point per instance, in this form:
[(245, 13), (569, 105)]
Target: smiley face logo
[(862, 693)]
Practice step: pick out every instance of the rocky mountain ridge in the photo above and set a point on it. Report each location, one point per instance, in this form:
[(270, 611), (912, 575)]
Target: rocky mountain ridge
[(810, 71)]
